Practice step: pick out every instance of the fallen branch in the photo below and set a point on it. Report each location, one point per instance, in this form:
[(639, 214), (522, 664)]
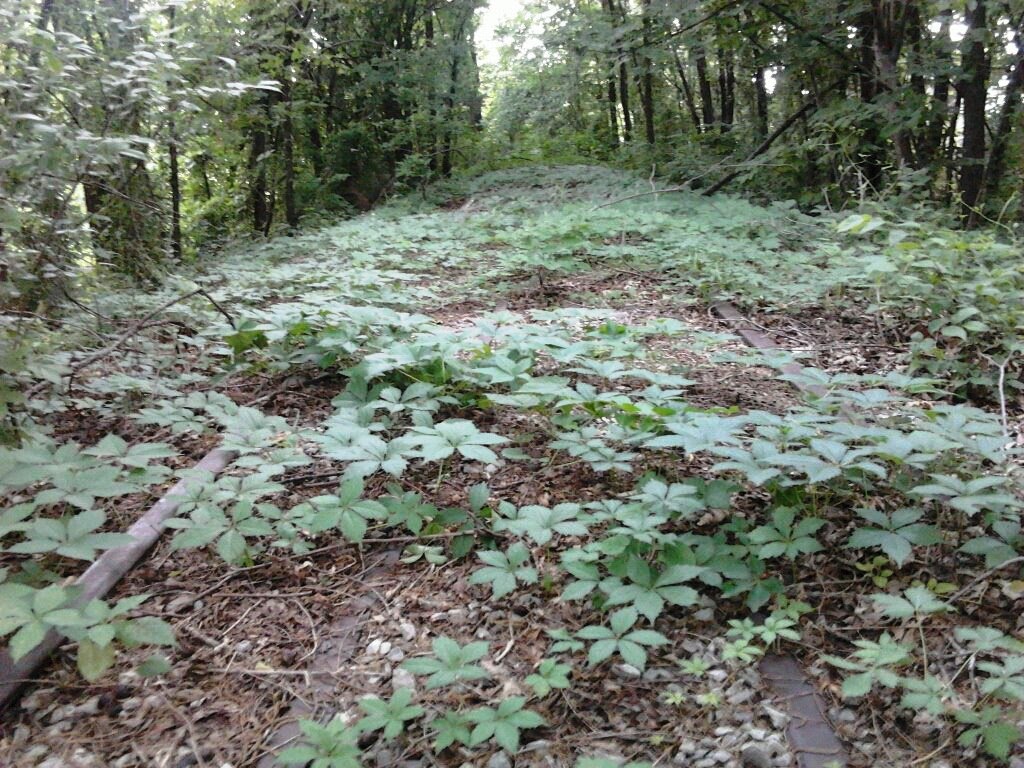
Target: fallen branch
[(765, 145), (127, 334), (109, 568), (117, 342)]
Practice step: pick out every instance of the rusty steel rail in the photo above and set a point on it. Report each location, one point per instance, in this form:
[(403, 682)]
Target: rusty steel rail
[(810, 735), (108, 569), (336, 649)]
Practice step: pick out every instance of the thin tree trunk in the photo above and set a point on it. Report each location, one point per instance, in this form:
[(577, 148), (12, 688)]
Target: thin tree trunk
[(201, 160), (258, 170), (624, 76), (871, 149), (974, 89), (174, 182), (428, 36), (707, 102), (613, 112), (889, 29), (726, 91), (647, 78), (931, 146), (291, 212), (950, 151), (691, 105), (761, 103), (996, 167)]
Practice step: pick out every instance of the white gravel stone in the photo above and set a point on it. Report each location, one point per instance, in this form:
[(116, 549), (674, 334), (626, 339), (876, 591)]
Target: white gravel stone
[(778, 718), (407, 630), (402, 678), (755, 757), (626, 670), (378, 647)]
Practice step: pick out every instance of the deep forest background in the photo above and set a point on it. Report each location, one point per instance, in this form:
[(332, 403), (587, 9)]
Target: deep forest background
[(137, 136)]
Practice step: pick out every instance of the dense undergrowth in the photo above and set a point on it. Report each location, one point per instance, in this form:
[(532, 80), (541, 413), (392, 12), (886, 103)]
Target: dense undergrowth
[(443, 323)]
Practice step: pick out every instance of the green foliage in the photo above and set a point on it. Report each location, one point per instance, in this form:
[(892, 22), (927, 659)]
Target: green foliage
[(783, 538), (873, 662), (503, 723), (439, 441), (346, 511), (550, 675), (451, 663), (334, 745), (389, 716), (896, 534), (505, 570), (915, 480), (620, 637)]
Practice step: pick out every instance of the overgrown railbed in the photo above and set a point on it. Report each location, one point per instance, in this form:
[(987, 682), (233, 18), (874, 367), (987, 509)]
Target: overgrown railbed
[(607, 508)]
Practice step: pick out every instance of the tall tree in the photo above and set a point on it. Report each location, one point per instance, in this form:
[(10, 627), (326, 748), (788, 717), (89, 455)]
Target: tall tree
[(974, 89)]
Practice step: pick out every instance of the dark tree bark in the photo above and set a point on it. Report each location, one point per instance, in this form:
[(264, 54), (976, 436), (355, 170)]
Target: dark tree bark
[(950, 148), (726, 90), (458, 40), (723, 98), (316, 145), (760, 103), (974, 89), (647, 77), (608, 6), (930, 147), (174, 180), (707, 102), (891, 23), (257, 167), (428, 36), (291, 211), (691, 105), (996, 168), (201, 160), (613, 108), (871, 150), (613, 112), (627, 117)]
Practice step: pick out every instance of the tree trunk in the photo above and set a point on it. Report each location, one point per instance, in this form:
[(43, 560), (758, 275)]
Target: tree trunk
[(871, 150), (257, 169), (950, 148), (623, 71), (291, 212), (974, 89), (613, 112), (889, 28), (726, 91), (174, 182), (996, 167), (201, 160), (761, 103), (647, 79), (691, 105), (930, 147), (707, 102)]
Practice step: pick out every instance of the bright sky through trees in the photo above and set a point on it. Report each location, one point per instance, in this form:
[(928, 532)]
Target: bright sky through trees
[(496, 13)]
